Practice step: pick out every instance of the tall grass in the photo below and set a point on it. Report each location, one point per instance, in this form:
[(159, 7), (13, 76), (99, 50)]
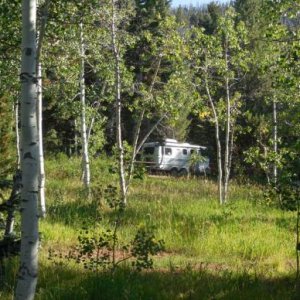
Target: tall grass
[(243, 250)]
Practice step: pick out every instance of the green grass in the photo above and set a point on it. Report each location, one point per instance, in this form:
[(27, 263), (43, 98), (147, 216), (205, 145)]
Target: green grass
[(243, 250)]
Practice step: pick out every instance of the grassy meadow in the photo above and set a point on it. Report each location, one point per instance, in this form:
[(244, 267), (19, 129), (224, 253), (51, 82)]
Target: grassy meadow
[(243, 250)]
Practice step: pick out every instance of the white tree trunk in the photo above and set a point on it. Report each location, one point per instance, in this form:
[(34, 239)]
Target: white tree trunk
[(142, 142), (85, 152), (218, 143), (40, 133), (17, 135), (227, 126), (120, 146), (75, 138), (231, 146), (11, 205), (135, 145), (89, 129), (96, 106), (227, 141), (42, 177), (275, 140), (28, 271), (136, 148)]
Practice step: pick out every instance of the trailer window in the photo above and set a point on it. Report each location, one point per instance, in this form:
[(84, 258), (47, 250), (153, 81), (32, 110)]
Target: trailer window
[(192, 151), (168, 151), (149, 150), (184, 151)]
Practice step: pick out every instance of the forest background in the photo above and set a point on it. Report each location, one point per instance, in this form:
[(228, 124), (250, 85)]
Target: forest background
[(222, 76), (262, 71)]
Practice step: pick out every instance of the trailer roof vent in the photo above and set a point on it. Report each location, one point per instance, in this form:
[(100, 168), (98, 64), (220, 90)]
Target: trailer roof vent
[(170, 141)]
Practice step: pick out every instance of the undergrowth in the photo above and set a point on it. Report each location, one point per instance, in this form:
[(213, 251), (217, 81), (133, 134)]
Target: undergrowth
[(243, 250)]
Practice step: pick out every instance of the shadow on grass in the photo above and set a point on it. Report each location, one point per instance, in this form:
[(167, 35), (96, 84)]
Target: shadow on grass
[(89, 211), (67, 212), (70, 282), (58, 282)]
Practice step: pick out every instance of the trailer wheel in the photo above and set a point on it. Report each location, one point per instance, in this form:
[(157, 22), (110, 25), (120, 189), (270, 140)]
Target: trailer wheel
[(183, 173), (174, 172)]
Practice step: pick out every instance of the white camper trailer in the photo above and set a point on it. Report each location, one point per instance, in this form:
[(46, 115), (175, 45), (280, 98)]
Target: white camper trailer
[(174, 157)]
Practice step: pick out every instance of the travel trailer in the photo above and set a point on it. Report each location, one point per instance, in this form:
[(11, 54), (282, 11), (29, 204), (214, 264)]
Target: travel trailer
[(179, 159)]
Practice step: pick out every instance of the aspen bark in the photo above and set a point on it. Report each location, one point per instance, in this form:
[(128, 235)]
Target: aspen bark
[(11, 204), (227, 127), (17, 135), (40, 133), (227, 143), (136, 147), (96, 105), (218, 143), (28, 271), (85, 152), (149, 132), (120, 146), (275, 140), (89, 129), (231, 146), (135, 144), (42, 177), (75, 139)]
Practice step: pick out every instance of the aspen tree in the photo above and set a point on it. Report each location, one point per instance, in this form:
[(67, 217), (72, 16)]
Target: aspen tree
[(28, 270)]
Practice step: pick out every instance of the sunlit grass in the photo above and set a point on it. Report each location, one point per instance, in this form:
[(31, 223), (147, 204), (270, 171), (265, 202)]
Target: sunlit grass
[(237, 251)]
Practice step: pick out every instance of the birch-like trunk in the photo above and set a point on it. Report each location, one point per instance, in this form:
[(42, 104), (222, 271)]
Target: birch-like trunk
[(17, 135), (266, 167), (90, 127), (96, 106), (75, 139), (42, 177), (137, 147), (218, 143), (143, 141), (12, 204), (275, 140), (28, 271), (227, 141), (227, 127), (231, 145), (120, 146), (85, 152)]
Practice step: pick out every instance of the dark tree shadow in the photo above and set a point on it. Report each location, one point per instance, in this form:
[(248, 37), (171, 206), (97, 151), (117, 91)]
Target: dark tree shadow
[(59, 282)]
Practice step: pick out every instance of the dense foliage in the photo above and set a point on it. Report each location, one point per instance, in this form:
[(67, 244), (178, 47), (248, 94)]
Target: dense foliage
[(161, 69), (117, 73)]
